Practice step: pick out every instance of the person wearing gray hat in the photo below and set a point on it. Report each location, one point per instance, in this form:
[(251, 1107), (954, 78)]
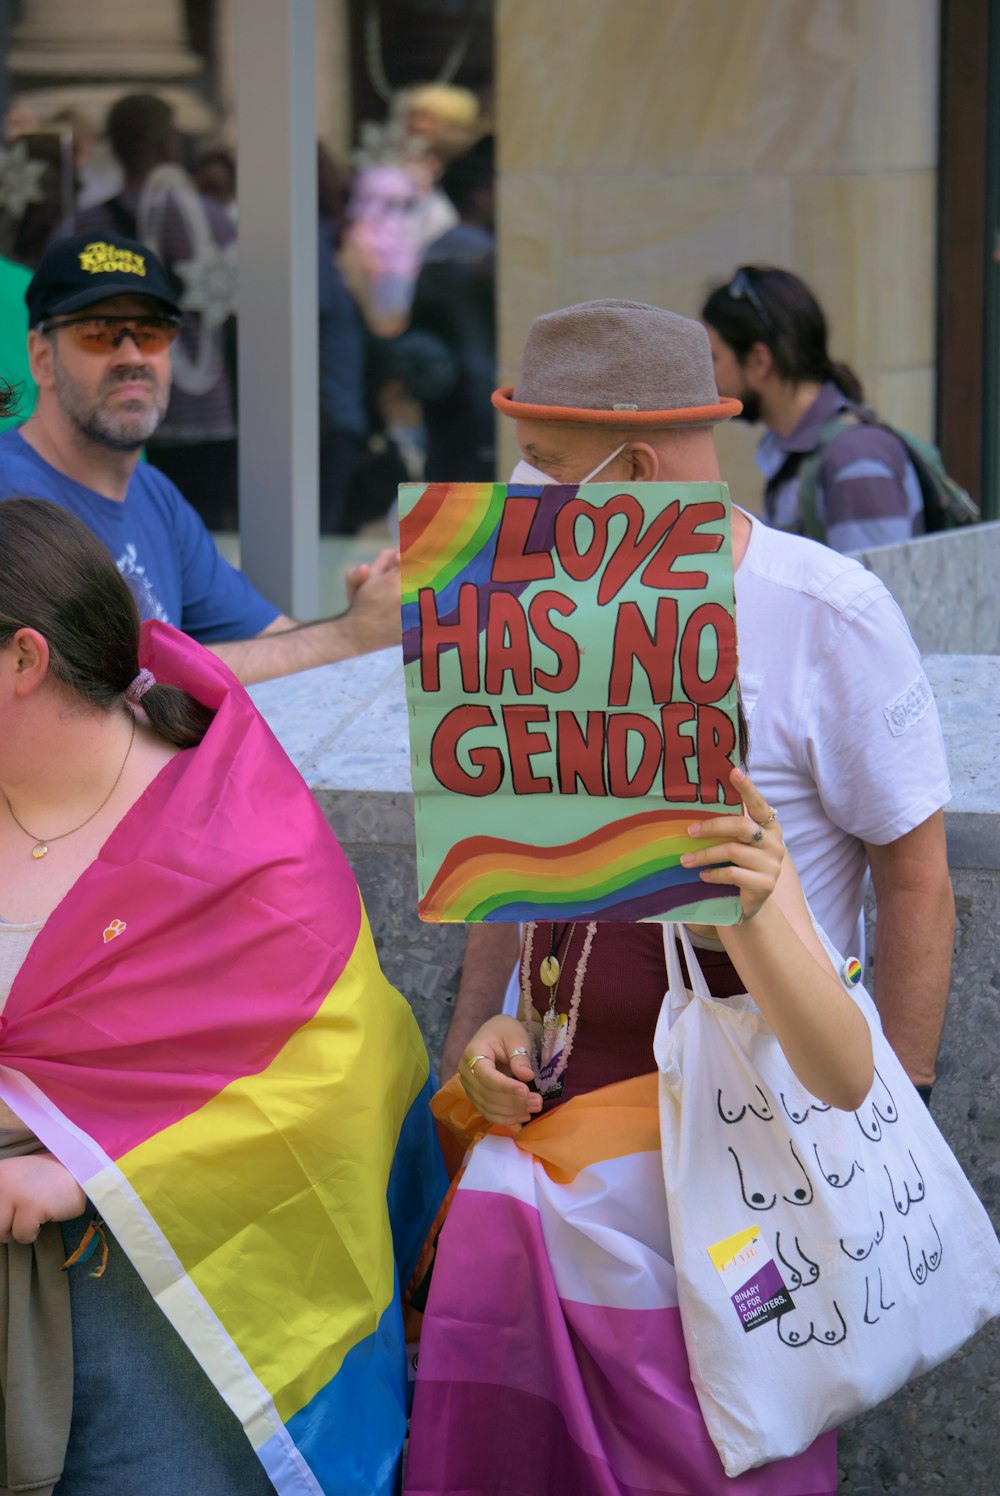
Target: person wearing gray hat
[(844, 734), (625, 390), (616, 363), (845, 755)]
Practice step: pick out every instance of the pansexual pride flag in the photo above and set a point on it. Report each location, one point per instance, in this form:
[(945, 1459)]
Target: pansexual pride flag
[(551, 1355), (203, 1036), (570, 663)]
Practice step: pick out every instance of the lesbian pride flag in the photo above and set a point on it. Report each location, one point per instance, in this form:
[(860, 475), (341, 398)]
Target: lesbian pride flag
[(551, 1355), (203, 1036)]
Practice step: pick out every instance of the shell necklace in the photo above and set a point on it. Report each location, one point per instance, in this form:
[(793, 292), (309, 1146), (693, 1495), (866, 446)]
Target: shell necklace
[(558, 1029)]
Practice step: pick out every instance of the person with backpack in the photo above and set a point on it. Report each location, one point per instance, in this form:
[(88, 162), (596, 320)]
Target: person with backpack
[(833, 471)]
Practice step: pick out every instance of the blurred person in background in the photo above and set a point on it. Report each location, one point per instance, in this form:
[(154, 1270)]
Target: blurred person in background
[(396, 210), (447, 358), (214, 175), (380, 255), (397, 207), (769, 345), (195, 237), (97, 175), (342, 356), (441, 122), (378, 263)]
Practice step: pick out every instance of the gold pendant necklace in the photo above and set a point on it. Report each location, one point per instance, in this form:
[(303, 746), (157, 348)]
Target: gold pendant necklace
[(549, 971), (41, 846)]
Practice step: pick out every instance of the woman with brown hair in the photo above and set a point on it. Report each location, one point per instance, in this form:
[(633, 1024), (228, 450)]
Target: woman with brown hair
[(204, 1076)]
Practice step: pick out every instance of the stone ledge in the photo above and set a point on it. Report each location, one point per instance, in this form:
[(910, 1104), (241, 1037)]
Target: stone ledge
[(344, 727), (946, 586), (967, 688)]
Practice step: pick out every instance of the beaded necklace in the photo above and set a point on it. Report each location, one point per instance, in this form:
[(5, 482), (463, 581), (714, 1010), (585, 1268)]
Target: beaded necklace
[(558, 1029)]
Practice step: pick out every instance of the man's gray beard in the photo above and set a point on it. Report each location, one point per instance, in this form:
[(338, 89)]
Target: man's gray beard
[(114, 432), (101, 430)]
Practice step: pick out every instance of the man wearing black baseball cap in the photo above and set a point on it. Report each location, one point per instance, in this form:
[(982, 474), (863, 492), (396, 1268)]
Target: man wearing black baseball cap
[(98, 297), (75, 273), (103, 314)]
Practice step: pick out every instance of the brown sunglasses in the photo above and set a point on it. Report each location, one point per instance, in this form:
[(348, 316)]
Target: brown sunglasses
[(103, 334)]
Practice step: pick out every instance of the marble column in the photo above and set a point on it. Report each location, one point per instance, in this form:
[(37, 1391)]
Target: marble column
[(116, 39), (67, 55), (333, 84)]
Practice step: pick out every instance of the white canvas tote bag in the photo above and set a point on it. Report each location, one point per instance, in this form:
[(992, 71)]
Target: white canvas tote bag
[(823, 1257)]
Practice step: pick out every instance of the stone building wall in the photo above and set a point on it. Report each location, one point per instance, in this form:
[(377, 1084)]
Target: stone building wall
[(648, 147)]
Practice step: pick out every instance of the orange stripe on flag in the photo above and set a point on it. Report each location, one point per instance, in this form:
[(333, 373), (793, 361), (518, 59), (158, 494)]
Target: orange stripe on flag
[(609, 1123)]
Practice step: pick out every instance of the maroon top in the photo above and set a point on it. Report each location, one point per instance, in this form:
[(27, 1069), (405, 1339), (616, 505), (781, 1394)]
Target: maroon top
[(620, 998)]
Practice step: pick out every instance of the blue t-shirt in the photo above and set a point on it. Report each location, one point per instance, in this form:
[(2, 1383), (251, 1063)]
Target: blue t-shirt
[(160, 544)]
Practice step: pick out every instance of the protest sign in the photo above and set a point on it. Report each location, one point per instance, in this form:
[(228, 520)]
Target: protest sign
[(570, 660)]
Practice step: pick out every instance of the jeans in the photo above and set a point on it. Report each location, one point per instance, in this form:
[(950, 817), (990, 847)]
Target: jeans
[(146, 1419)]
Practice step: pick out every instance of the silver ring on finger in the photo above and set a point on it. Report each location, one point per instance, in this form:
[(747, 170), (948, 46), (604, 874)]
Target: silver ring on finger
[(475, 1061), (519, 1050), (772, 815)]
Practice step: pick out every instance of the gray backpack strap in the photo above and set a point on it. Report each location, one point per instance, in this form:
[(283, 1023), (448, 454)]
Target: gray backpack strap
[(809, 473)]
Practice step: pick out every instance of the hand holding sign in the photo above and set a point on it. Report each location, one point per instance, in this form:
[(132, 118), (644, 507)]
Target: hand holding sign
[(753, 851)]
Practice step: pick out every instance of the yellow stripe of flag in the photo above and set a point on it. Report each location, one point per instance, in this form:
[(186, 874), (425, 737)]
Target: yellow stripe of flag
[(273, 1194)]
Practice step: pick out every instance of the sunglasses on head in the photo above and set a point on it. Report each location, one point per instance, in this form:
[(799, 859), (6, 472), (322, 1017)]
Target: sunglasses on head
[(741, 288), (103, 334)]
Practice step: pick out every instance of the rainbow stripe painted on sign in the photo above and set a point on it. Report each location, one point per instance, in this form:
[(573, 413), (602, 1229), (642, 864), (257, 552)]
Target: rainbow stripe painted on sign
[(240, 1092), (450, 538), (444, 539), (626, 871)]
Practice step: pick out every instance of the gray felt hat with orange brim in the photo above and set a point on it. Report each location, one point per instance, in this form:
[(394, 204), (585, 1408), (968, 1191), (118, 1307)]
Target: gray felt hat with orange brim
[(617, 363)]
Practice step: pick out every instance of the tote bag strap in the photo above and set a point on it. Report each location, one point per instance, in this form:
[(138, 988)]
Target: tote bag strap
[(676, 999), (675, 940)]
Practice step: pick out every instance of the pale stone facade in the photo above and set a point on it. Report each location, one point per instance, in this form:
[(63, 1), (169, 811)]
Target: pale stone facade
[(64, 55), (648, 147)]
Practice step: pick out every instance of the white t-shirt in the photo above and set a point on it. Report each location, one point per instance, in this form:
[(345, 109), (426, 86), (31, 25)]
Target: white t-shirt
[(845, 739)]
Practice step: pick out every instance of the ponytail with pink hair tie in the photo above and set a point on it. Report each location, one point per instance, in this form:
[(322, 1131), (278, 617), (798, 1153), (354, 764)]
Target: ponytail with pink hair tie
[(136, 691)]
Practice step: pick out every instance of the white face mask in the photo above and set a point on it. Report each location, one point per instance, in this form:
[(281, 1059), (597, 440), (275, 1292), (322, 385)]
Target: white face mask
[(525, 473)]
